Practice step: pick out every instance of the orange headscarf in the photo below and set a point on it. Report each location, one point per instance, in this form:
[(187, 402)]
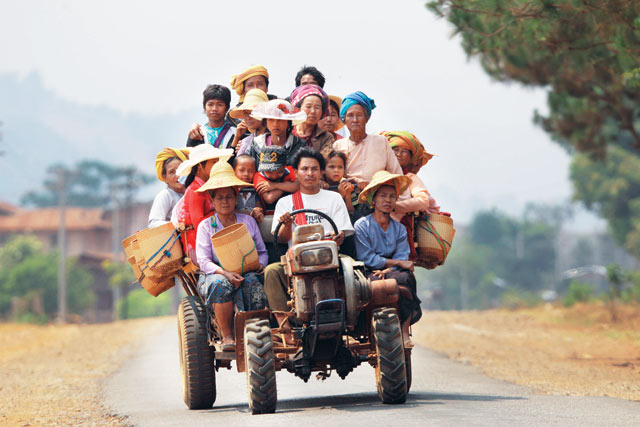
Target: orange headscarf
[(167, 153), (237, 80), (404, 139)]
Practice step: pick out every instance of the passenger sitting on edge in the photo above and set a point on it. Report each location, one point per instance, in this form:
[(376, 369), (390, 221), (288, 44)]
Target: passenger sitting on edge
[(309, 165), (167, 161), (274, 179), (248, 203), (383, 247), (217, 131), (223, 288)]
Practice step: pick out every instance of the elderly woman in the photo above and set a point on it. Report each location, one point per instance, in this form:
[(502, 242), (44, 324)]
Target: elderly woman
[(280, 119), (248, 124), (167, 162), (315, 103), (254, 77), (196, 205), (222, 288), (366, 154), (381, 243)]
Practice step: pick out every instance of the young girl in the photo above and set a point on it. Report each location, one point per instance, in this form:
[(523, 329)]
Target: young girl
[(334, 176), (280, 119), (248, 203)]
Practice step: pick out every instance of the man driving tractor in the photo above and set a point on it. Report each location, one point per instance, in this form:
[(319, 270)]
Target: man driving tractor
[(309, 165)]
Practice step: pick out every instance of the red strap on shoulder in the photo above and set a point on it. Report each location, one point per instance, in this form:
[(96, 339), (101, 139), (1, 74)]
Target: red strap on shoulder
[(301, 218)]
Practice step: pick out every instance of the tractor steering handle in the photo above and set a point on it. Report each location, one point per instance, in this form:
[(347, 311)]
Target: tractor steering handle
[(294, 213)]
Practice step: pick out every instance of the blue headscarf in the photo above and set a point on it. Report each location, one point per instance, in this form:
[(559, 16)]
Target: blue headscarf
[(356, 98)]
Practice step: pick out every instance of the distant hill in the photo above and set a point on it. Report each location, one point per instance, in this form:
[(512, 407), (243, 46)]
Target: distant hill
[(39, 128)]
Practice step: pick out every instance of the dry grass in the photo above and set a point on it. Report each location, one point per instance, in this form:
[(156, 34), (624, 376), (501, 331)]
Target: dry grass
[(51, 375), (555, 350)]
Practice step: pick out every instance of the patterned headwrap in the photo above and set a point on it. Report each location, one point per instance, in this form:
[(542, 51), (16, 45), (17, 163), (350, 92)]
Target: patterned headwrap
[(356, 98), (167, 153), (237, 80), (301, 92), (404, 139)]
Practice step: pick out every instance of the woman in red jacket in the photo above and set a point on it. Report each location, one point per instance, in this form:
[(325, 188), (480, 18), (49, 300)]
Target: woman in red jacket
[(197, 206)]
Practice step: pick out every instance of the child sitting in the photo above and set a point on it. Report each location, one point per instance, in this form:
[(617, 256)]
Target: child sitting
[(334, 176), (248, 202), (273, 179)]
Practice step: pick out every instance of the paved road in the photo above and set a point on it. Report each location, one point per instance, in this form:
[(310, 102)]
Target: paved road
[(444, 393)]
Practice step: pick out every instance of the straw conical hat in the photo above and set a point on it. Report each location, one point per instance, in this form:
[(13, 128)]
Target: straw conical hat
[(201, 153), (252, 99), (380, 178), (222, 176)]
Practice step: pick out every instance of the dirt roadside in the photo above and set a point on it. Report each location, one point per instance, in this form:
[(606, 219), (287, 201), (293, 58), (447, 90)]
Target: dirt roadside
[(554, 350), (52, 375)]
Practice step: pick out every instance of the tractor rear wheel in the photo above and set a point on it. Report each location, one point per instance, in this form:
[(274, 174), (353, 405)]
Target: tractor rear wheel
[(196, 356), (260, 366), (391, 372)]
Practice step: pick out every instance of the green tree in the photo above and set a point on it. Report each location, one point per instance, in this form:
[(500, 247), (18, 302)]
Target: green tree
[(585, 53), (26, 268), (612, 189)]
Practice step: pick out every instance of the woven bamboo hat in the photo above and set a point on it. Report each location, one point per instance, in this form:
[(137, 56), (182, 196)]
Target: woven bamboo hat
[(201, 153), (252, 99), (380, 178), (222, 176)]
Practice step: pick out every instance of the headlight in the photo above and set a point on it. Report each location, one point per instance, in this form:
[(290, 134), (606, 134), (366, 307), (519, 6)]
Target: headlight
[(313, 257)]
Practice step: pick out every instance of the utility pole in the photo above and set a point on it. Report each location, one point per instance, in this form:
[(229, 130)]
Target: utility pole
[(62, 247), (115, 244)]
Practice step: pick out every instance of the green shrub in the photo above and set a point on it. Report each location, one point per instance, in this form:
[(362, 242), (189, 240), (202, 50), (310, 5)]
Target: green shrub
[(578, 292), (139, 303), (26, 268)]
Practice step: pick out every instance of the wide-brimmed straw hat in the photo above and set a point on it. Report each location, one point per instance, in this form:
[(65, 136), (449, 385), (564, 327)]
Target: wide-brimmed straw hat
[(278, 109), (338, 102), (380, 178), (252, 99), (222, 176), (201, 153)]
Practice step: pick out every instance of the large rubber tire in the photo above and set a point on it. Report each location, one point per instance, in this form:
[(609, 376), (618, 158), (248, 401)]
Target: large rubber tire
[(260, 366), (196, 356), (391, 373)]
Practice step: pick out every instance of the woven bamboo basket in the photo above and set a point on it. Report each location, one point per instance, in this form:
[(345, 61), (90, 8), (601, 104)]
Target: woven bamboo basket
[(154, 287), (235, 249), (161, 250), (434, 235)]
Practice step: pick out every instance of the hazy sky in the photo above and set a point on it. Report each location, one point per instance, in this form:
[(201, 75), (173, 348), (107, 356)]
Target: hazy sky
[(156, 57)]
